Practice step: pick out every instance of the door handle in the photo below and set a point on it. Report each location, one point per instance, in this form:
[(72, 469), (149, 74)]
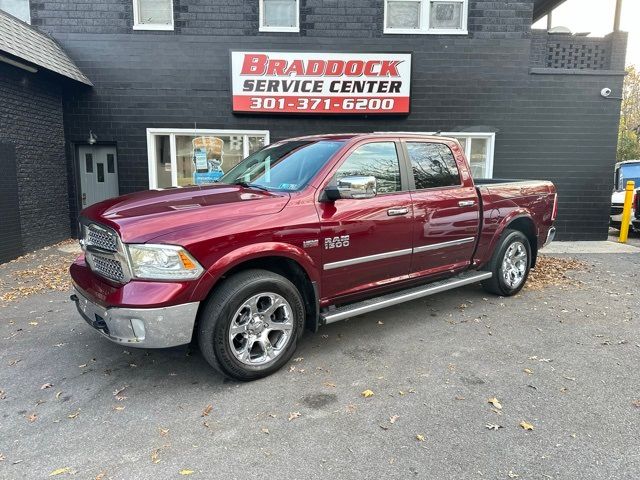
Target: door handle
[(466, 203), (392, 212)]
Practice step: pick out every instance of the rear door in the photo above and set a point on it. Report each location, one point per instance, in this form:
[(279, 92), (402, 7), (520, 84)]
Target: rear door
[(446, 207), (367, 242)]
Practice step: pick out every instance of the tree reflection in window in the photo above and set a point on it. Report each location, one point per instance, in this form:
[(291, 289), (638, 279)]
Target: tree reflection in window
[(433, 165), (378, 160)]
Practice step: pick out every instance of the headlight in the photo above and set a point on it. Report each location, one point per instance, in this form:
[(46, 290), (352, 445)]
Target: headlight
[(162, 262)]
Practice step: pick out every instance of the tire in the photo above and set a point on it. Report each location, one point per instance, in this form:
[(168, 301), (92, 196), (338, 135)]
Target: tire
[(258, 346), (509, 282)]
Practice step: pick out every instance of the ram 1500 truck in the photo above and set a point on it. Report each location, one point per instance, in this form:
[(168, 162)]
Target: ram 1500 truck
[(305, 232)]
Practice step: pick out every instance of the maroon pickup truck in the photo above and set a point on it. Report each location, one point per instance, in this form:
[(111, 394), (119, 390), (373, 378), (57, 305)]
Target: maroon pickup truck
[(305, 232)]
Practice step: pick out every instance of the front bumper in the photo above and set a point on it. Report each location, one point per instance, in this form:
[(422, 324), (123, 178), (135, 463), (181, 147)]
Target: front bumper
[(140, 327)]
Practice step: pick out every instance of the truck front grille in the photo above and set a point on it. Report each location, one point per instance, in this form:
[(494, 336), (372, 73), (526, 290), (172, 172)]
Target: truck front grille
[(104, 252), (107, 267), (616, 209)]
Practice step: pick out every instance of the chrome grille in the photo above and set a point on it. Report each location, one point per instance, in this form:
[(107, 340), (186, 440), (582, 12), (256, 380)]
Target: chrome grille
[(107, 267), (101, 238)]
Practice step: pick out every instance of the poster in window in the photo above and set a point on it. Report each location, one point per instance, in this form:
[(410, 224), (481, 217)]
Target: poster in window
[(207, 160)]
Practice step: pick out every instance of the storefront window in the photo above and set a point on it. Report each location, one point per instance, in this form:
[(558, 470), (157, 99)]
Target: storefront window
[(180, 158)]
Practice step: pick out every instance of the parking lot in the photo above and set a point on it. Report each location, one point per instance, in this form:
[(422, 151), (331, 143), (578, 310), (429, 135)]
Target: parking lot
[(543, 385)]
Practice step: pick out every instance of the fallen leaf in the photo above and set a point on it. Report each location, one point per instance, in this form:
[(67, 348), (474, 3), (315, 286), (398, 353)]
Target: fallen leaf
[(74, 414), (298, 359), (46, 385), (393, 419), (119, 391), (14, 362), (526, 426), (58, 395), (1, 457), (163, 431), (420, 438), (329, 384), (206, 424), (3, 394), (133, 365), (100, 476), (265, 430), (459, 397), (186, 472), (82, 366), (528, 371), (207, 410), (294, 415), (493, 426), (155, 456), (367, 393), (512, 474), (60, 471), (384, 427), (118, 408), (32, 418), (380, 322), (33, 323), (494, 401), (635, 403)]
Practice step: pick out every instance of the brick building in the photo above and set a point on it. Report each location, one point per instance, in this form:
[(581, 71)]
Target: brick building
[(525, 104)]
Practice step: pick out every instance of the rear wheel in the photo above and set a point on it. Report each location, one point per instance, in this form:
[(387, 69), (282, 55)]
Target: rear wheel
[(510, 264), (250, 325)]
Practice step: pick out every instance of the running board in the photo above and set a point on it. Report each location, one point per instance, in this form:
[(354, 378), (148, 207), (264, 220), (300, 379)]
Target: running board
[(366, 306)]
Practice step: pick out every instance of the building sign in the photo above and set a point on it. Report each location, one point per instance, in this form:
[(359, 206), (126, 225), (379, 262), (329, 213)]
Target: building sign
[(308, 82)]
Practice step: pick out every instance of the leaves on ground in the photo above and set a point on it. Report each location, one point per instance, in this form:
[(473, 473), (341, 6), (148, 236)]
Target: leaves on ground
[(32, 417), (494, 401), (551, 271), (420, 438), (265, 430), (207, 410), (46, 385), (163, 431), (393, 419), (74, 414), (60, 471), (367, 393), (493, 426), (294, 415), (526, 425), (186, 472)]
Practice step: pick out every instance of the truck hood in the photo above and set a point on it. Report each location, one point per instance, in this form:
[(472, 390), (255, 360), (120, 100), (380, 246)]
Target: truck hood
[(141, 217)]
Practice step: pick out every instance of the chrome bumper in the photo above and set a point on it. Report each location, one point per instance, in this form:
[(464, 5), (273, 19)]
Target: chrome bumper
[(140, 327), (551, 234)]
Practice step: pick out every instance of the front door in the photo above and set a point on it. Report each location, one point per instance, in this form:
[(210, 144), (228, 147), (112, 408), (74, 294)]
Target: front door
[(446, 209), (98, 173), (367, 242)]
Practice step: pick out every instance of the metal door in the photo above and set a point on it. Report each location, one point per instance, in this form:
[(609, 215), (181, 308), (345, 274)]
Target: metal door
[(98, 173)]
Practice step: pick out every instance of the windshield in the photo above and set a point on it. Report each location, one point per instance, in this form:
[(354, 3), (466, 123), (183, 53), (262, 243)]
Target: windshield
[(628, 171), (285, 166)]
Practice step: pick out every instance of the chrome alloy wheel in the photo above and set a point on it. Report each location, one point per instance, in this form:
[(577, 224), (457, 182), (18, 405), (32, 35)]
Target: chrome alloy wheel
[(514, 264), (261, 329)]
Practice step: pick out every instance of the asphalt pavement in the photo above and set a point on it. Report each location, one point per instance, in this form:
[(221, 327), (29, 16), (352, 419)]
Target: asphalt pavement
[(562, 359)]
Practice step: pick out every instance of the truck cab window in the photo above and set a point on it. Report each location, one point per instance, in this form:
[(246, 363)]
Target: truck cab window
[(433, 165), (378, 160)]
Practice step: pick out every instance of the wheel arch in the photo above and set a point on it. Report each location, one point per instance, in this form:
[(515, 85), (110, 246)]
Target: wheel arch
[(286, 260), (525, 225)]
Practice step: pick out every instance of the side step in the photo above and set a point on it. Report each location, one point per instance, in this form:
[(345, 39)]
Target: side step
[(366, 306)]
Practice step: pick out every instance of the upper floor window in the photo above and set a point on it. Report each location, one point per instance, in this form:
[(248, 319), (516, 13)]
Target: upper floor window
[(425, 16), (279, 15), (153, 14), (17, 8)]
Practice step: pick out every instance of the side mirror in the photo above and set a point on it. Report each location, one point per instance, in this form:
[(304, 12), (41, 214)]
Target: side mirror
[(354, 187)]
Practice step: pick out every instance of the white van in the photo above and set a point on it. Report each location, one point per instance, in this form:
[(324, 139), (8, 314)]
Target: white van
[(624, 171)]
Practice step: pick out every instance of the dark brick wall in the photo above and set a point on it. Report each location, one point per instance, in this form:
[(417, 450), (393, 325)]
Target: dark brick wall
[(318, 18), (31, 120), (554, 127)]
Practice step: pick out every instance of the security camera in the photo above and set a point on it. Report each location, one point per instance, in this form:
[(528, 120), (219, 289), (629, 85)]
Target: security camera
[(605, 92)]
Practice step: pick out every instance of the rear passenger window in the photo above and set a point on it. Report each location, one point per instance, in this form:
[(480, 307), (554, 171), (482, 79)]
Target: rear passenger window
[(378, 160), (433, 165)]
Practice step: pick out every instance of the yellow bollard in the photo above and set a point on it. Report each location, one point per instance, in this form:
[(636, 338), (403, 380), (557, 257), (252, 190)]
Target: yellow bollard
[(626, 211)]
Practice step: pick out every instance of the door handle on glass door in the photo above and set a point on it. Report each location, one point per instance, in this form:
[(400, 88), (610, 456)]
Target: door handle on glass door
[(466, 203), (392, 212)]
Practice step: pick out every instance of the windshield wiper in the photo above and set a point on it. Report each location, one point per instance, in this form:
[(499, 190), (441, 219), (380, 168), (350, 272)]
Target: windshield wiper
[(251, 185)]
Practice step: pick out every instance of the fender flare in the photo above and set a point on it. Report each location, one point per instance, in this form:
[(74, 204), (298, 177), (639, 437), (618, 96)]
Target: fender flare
[(253, 252), (504, 224)]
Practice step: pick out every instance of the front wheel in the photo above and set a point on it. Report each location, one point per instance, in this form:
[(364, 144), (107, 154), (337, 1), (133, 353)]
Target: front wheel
[(510, 264), (250, 326)]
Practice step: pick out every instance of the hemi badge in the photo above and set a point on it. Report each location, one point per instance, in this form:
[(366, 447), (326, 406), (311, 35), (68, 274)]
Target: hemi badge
[(309, 243)]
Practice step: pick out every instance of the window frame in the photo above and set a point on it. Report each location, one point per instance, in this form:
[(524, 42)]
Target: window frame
[(151, 26), (265, 28), (173, 132), (425, 19)]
